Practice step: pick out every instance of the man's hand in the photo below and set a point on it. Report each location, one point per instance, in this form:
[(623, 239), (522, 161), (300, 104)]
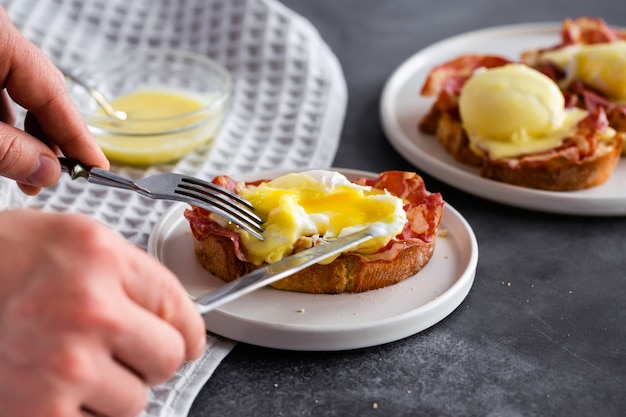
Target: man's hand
[(52, 123), (87, 320)]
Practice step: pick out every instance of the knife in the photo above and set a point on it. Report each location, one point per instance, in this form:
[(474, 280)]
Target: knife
[(279, 270)]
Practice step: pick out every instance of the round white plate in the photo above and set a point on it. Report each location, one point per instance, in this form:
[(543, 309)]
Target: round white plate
[(402, 108), (295, 321)]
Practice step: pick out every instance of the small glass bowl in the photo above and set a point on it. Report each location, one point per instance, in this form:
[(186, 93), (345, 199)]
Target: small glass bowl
[(143, 139)]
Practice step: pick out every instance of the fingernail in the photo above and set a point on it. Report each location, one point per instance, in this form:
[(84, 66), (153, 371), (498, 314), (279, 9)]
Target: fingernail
[(44, 173)]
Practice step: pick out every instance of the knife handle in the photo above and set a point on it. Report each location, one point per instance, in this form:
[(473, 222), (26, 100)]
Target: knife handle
[(99, 176)]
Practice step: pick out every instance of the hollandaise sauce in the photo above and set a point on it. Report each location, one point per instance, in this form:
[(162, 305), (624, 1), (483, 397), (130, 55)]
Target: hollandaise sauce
[(162, 126), (156, 104)]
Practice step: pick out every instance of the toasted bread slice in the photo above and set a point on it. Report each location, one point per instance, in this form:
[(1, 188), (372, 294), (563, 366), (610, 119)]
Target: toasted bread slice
[(562, 170), (348, 273), (583, 162)]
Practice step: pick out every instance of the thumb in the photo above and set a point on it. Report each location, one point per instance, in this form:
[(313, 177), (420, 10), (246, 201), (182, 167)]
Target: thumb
[(27, 160)]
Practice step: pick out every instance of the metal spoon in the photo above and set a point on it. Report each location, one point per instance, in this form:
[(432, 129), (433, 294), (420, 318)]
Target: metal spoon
[(98, 96)]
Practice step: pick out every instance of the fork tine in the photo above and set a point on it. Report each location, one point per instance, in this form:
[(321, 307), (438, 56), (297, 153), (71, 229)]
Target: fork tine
[(221, 202), (218, 189), (213, 191), (239, 217), (228, 205)]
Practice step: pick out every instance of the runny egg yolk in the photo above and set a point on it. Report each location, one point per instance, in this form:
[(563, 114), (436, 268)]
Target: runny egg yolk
[(601, 66), (513, 110), (318, 203)]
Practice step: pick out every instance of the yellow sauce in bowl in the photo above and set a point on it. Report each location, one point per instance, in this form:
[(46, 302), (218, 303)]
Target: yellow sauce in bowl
[(156, 103), (163, 125)]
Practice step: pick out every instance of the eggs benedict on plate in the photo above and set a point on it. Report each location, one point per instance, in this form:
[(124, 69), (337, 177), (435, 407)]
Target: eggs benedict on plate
[(305, 209), (514, 123)]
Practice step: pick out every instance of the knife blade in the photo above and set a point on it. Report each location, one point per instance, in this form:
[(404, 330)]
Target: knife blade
[(279, 270)]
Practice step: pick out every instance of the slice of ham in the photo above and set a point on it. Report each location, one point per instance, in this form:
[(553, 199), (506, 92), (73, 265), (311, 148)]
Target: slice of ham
[(451, 75), (589, 30)]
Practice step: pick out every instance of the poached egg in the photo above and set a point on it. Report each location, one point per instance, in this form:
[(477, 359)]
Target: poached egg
[(601, 66), (320, 204), (514, 110)]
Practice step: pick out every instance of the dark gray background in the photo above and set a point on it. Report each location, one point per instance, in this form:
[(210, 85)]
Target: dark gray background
[(553, 343)]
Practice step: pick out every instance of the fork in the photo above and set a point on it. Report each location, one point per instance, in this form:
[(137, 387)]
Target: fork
[(177, 187)]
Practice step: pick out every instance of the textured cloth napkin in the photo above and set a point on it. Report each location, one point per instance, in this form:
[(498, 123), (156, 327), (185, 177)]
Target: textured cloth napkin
[(175, 397), (287, 112)]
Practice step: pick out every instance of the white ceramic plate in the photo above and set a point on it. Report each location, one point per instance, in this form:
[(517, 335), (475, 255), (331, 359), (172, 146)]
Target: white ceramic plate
[(402, 107), (295, 321)]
